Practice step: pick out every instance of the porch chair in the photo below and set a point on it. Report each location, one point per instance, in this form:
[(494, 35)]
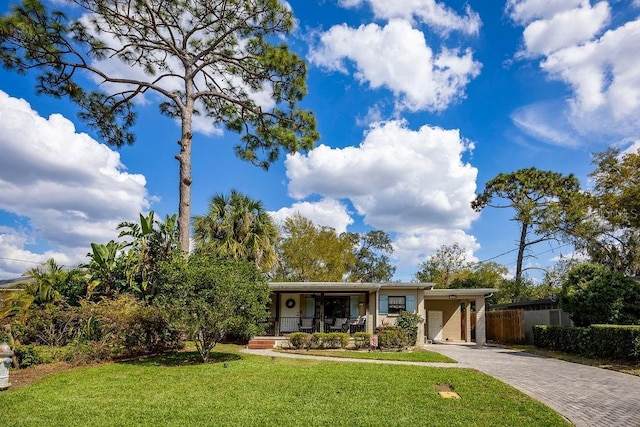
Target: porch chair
[(355, 325), (337, 325), (306, 324)]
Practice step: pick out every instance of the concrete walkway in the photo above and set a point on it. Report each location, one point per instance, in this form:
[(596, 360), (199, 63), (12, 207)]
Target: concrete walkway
[(585, 395)]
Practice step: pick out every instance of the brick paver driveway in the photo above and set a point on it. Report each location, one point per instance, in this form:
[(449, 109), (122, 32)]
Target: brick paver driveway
[(586, 395)]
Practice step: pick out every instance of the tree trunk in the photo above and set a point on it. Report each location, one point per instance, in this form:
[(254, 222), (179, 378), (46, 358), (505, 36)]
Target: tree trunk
[(184, 158), (521, 247)]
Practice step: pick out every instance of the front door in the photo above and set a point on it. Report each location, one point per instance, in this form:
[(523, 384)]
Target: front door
[(434, 323)]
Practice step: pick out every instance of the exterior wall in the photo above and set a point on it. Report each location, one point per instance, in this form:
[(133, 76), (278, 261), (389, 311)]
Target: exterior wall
[(543, 317), (286, 313), (390, 319), (451, 318)]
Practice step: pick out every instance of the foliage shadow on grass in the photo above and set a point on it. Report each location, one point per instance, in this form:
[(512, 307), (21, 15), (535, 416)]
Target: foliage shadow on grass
[(183, 358)]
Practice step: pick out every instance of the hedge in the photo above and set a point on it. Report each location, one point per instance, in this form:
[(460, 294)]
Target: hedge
[(607, 341)]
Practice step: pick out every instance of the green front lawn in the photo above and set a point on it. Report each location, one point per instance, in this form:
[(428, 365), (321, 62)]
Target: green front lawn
[(263, 391), (405, 356)]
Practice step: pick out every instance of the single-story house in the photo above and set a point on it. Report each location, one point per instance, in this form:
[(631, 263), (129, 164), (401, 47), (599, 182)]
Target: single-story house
[(354, 307)]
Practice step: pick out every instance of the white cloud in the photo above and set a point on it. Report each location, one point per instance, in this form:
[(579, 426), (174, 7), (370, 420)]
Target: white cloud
[(429, 12), (547, 121), (600, 68), (397, 57), (565, 29), (526, 11), (327, 212), (413, 183), (632, 148), (413, 248), (72, 189)]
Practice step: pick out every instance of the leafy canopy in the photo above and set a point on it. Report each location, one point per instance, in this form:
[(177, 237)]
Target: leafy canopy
[(213, 59), (542, 201), (311, 253), (609, 232), (591, 293), (215, 297)]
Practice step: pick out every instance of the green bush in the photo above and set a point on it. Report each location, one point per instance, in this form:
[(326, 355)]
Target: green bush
[(319, 340), (615, 341), (329, 340), (339, 339), (300, 340), (54, 325), (131, 327), (4, 336), (362, 339), (29, 355), (607, 341), (80, 353), (409, 322), (393, 337)]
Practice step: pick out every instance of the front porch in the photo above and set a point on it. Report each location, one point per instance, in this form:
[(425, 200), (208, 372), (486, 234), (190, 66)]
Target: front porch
[(277, 327), (318, 310)]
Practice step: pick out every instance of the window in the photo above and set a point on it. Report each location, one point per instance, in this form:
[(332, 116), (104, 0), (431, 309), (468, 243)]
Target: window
[(397, 304)]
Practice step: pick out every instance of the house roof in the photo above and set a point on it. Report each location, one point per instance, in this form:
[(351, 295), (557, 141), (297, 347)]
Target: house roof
[(8, 284), (526, 304), (344, 286), (429, 292), (441, 294)]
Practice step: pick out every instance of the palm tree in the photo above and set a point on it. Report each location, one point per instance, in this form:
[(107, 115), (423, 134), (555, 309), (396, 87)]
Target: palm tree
[(237, 226), (44, 285)]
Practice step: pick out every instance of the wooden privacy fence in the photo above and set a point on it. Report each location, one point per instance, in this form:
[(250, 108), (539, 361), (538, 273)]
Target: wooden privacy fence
[(505, 326)]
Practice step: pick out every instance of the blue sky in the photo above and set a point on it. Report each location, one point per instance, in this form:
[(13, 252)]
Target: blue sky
[(418, 102)]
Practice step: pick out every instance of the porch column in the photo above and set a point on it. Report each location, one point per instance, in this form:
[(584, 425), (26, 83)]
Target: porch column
[(421, 312), (276, 328), (467, 326), (322, 325), (481, 330)]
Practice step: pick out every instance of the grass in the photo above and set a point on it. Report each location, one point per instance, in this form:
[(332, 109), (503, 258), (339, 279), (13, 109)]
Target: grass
[(412, 356), (624, 366), (263, 391)]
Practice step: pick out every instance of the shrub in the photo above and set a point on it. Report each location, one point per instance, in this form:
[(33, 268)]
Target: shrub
[(86, 352), (29, 355), (393, 337), (4, 336), (362, 339), (319, 339), (615, 341), (608, 341), (130, 327), (329, 340), (53, 326), (339, 339), (409, 322), (300, 340)]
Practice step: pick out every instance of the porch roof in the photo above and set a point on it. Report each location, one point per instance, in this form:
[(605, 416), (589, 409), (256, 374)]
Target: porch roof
[(344, 286), (440, 294)]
